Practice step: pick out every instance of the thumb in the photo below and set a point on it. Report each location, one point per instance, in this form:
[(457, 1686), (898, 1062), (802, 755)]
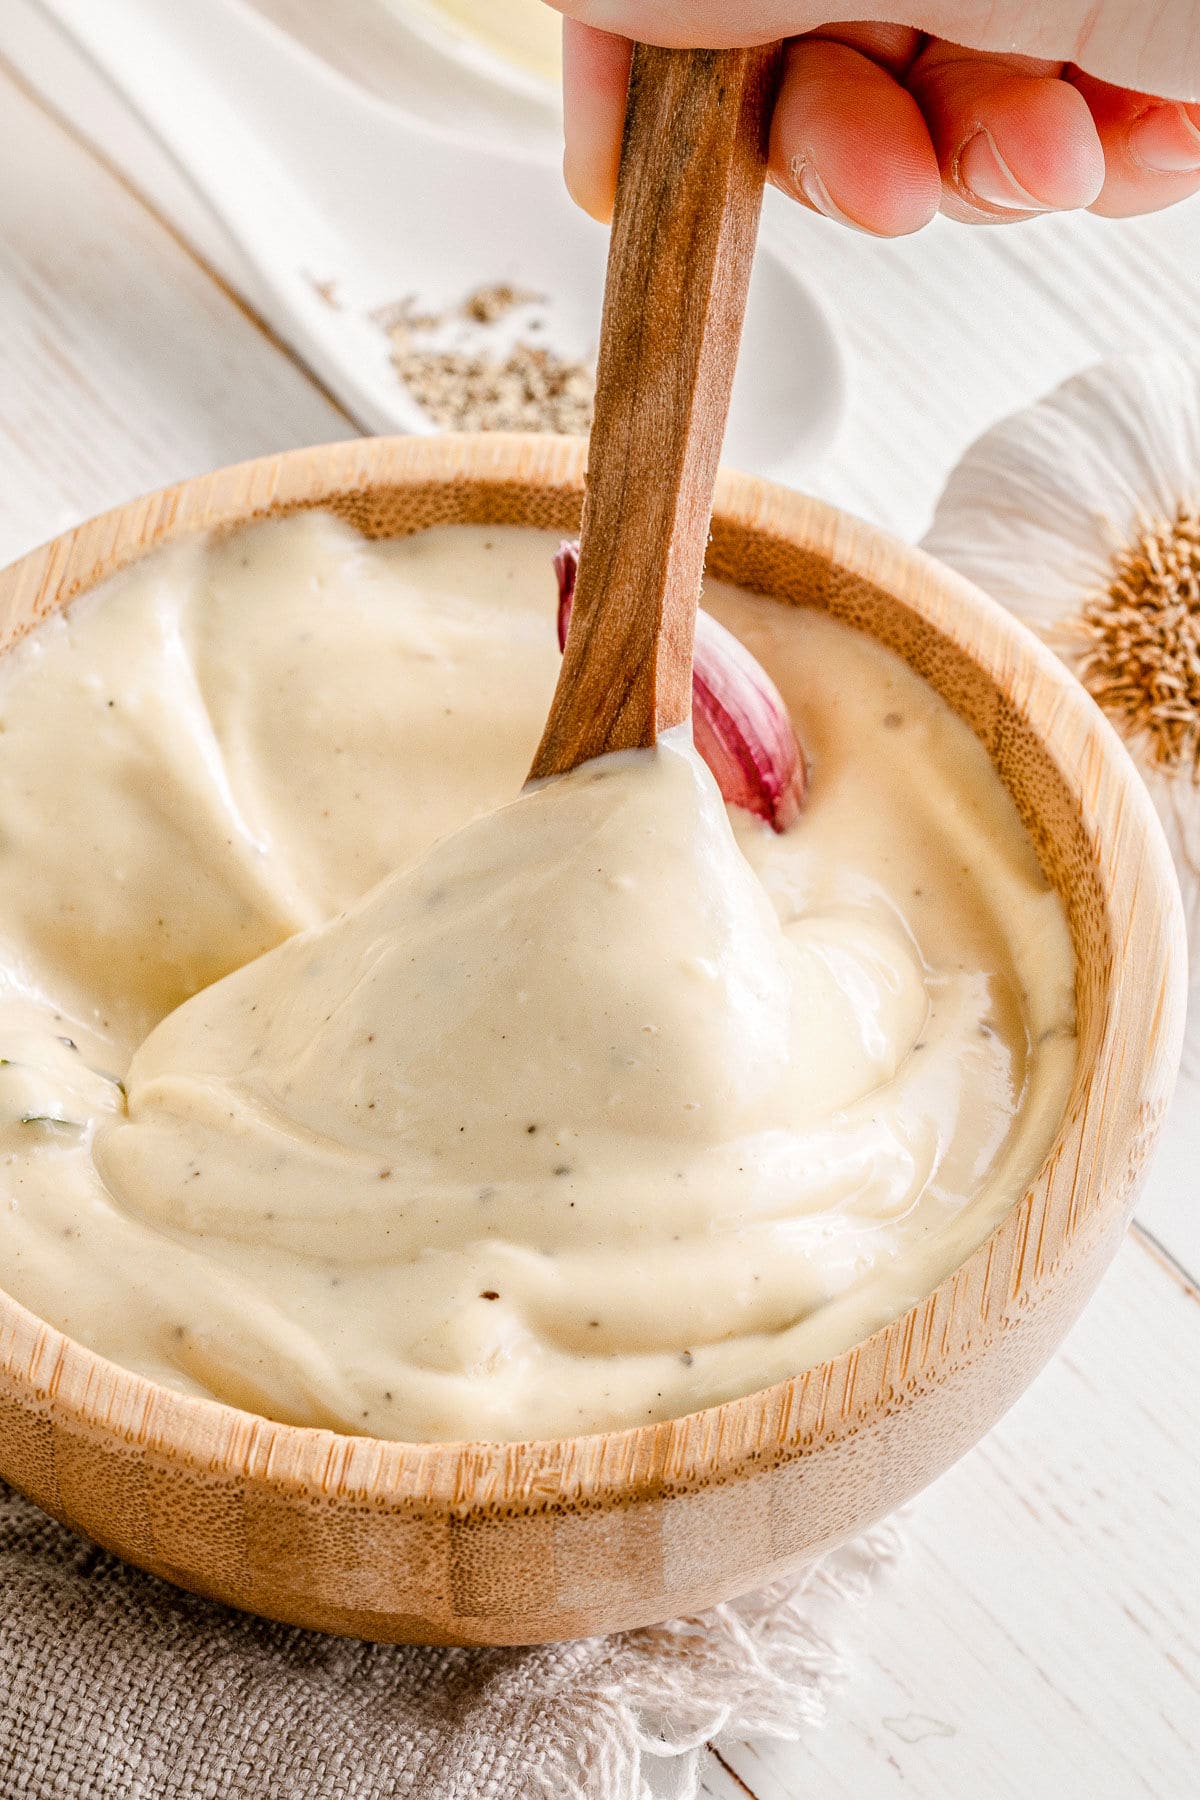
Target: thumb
[(1153, 47)]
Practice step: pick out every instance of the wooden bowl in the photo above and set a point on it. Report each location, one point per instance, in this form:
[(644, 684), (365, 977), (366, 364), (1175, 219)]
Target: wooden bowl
[(518, 1543)]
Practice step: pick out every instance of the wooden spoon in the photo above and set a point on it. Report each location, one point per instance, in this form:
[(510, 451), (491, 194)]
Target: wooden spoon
[(689, 194)]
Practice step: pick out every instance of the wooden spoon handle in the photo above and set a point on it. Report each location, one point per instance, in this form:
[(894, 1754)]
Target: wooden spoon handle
[(689, 194)]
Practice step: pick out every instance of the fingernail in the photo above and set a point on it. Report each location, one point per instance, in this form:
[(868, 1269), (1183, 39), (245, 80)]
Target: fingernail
[(1165, 140), (809, 185), (982, 174)]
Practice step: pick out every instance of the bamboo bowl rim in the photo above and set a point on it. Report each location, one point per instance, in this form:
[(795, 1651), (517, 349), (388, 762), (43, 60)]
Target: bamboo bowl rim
[(1137, 1055)]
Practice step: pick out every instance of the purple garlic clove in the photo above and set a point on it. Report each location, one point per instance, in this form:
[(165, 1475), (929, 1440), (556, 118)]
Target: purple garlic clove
[(740, 725)]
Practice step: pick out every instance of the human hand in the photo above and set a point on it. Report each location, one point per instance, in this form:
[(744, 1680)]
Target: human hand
[(880, 125)]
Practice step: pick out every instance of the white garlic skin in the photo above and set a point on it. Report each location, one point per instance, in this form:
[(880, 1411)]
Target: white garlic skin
[(1038, 506)]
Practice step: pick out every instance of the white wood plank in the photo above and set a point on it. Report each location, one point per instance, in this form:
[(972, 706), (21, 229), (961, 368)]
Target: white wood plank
[(1042, 1641), (122, 364), (953, 328), (1170, 1206), (718, 1781)]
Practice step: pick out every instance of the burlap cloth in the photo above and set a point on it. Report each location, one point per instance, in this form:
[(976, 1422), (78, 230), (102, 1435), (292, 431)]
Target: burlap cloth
[(116, 1686)]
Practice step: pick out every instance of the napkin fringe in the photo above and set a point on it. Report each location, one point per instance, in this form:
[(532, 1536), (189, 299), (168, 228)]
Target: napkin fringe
[(764, 1666)]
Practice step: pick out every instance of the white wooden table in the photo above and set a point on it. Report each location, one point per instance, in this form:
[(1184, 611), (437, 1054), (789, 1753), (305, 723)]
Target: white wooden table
[(1041, 1640)]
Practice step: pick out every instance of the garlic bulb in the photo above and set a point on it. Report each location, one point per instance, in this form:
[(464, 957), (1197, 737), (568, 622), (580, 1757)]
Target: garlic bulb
[(1082, 515)]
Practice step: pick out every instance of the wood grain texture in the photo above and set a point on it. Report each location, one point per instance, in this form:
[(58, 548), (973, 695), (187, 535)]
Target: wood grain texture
[(519, 1542), (949, 330), (122, 363), (1041, 1640), (689, 195), (1051, 1666)]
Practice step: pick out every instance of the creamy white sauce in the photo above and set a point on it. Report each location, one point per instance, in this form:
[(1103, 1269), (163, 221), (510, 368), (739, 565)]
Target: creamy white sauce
[(525, 32), (556, 1110)]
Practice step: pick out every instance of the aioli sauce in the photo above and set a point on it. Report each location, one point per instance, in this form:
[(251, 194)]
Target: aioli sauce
[(526, 32), (556, 1110)]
